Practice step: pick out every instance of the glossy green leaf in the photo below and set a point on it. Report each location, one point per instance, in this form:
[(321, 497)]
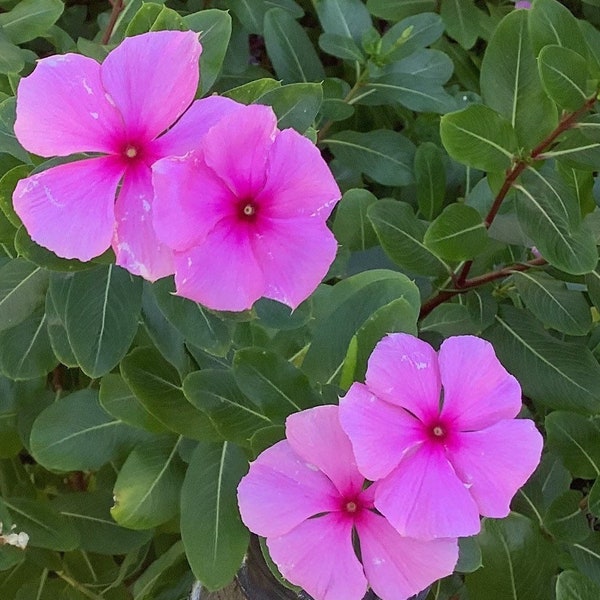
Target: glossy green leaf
[(292, 54), (351, 226), (75, 433), (401, 236), (154, 17), (407, 36), (30, 19), (461, 18), (296, 105), (385, 156), (510, 81), (550, 22), (553, 303), (214, 27), (457, 234), (479, 137), (146, 492), (564, 75), (572, 585), (557, 374), (430, 178), (519, 562), (89, 513), (214, 538), (253, 90), (157, 385), (23, 288)]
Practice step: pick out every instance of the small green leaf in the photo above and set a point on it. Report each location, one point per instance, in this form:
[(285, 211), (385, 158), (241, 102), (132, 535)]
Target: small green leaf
[(214, 538), (296, 105), (550, 22), (462, 20), (348, 18), (351, 226), (457, 234), (252, 91), (30, 19), (479, 137), (154, 17), (341, 46)]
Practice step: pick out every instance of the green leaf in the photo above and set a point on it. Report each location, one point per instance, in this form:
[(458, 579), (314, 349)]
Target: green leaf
[(347, 18), (430, 176), (586, 555), (450, 319), (296, 105), (557, 374), (552, 23), (10, 409), (272, 383), (565, 518), (8, 141), (252, 91), (457, 234), (341, 46), (89, 513), (198, 325), (251, 13), (510, 81), (292, 54), (553, 303), (157, 385), (154, 17), (479, 137), (401, 236), (461, 18), (392, 10), (549, 214), (214, 27), (408, 36), (8, 182), (76, 434), (351, 226), (146, 582), (564, 76), (101, 310), (30, 19), (385, 156), (22, 289), (572, 585), (577, 441), (216, 394), (11, 56), (214, 538), (45, 527), (469, 555), (350, 304), (146, 493)]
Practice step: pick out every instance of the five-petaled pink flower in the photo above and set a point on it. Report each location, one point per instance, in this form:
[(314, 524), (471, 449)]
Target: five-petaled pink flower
[(71, 104), (246, 213), (438, 435), (306, 496)]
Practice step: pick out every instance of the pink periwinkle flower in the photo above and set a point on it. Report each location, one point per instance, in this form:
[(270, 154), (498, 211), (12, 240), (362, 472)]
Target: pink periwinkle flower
[(306, 496), (71, 104), (245, 214), (437, 432), (523, 4)]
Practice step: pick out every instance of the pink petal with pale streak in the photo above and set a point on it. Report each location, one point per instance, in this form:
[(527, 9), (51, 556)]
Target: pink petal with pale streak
[(318, 556), (187, 133), (299, 182), (69, 209), (62, 109), (236, 148), (381, 433), (478, 391), (189, 200), (423, 497), (316, 435), (294, 256), (152, 78), (135, 243), (399, 567), (495, 462), (221, 273), (403, 370), (281, 491)]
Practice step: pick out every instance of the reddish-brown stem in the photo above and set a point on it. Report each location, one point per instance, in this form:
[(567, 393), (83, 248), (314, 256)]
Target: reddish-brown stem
[(117, 7), (461, 283)]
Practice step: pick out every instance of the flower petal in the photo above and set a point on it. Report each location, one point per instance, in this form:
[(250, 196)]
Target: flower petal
[(316, 436), (135, 243), (62, 109), (294, 256), (236, 148), (478, 391), (318, 556), (403, 370), (152, 78), (189, 200), (187, 133), (398, 567), (423, 497), (299, 182), (222, 272), (381, 433), (69, 209), (281, 491), (495, 462)]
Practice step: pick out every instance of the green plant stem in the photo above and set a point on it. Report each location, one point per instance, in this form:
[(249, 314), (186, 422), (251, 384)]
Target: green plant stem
[(461, 282)]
